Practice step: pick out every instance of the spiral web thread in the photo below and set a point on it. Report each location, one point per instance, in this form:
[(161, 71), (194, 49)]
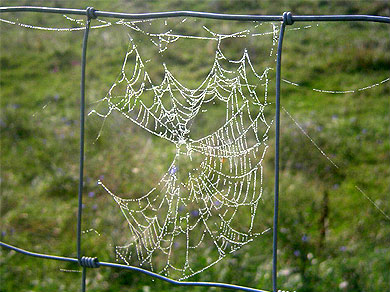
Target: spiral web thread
[(213, 182)]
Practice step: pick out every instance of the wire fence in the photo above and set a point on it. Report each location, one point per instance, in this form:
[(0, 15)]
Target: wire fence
[(287, 18)]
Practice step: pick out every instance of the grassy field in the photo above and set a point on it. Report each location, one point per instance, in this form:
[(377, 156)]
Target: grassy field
[(333, 235)]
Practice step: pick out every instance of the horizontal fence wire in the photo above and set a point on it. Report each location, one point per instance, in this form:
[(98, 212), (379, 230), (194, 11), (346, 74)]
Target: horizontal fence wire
[(131, 268), (221, 16), (90, 13)]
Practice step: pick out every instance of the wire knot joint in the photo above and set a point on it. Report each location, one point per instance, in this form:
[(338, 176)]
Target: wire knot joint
[(288, 18), (90, 12), (89, 262)]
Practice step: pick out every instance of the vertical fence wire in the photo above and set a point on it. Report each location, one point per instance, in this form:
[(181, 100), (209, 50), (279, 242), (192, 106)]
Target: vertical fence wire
[(90, 14), (83, 279), (82, 137), (287, 20), (277, 137)]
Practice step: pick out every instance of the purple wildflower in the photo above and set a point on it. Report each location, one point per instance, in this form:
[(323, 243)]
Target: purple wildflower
[(305, 238), (195, 213), (173, 170)]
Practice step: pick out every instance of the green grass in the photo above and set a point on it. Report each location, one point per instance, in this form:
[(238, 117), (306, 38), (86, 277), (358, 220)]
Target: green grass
[(39, 149)]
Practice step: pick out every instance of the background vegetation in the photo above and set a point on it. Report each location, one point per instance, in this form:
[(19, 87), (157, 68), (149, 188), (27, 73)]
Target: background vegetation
[(332, 238)]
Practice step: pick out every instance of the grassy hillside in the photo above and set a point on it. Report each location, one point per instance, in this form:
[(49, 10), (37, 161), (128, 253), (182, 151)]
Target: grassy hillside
[(334, 184)]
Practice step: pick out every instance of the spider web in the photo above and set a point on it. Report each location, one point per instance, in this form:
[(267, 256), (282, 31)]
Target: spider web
[(214, 182)]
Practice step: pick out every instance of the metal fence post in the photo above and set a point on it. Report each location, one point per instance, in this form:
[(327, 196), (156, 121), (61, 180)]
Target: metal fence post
[(287, 20)]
